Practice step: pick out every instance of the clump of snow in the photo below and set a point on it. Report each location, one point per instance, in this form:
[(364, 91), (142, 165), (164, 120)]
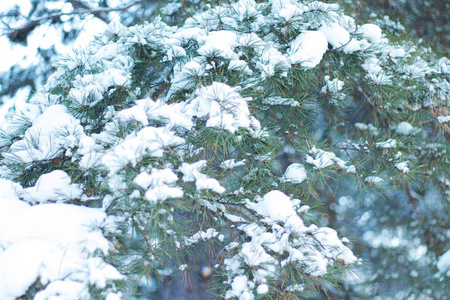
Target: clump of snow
[(443, 263), (201, 236), (171, 8), (321, 159), (443, 119), (133, 113), (375, 73), (262, 289), (222, 106), (275, 205), (240, 288), (332, 87), (240, 66), (55, 186), (88, 89), (369, 127), (398, 52), (159, 185), (339, 37), (328, 239), (148, 141), (373, 180), (371, 32), (405, 128), (191, 172), (183, 78), (52, 243), (270, 61), (51, 132), (390, 143), (349, 169), (295, 173), (403, 167), (219, 43), (231, 164), (206, 183), (308, 48), (295, 287), (91, 155), (171, 114)]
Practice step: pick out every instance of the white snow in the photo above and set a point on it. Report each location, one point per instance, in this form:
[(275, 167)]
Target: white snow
[(88, 89), (53, 243), (295, 287), (231, 164), (240, 66), (403, 167), (372, 129), (340, 38), (254, 254), (284, 233), (171, 114), (321, 159), (390, 143), (443, 263), (332, 87), (308, 48), (336, 35), (159, 185), (222, 106), (405, 128), (371, 32), (183, 78), (443, 119), (87, 148), (222, 41), (55, 186), (191, 172), (262, 289), (295, 173), (398, 52), (133, 113), (270, 61), (206, 183), (156, 178), (349, 169), (373, 179), (240, 289), (52, 132), (148, 141), (328, 239), (275, 205), (201, 236)]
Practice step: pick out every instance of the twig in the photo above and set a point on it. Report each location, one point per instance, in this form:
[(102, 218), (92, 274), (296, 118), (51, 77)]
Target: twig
[(78, 4), (95, 12), (411, 199)]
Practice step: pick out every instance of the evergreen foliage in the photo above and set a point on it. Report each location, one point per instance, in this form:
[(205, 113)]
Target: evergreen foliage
[(215, 142)]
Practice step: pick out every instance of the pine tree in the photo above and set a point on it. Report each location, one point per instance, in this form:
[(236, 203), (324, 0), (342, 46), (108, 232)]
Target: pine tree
[(161, 149)]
